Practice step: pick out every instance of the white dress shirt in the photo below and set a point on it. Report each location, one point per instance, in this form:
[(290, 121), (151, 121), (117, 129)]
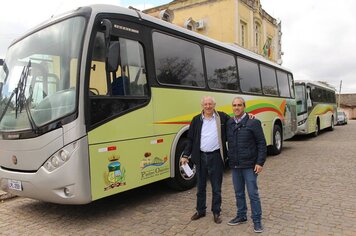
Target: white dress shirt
[(209, 135)]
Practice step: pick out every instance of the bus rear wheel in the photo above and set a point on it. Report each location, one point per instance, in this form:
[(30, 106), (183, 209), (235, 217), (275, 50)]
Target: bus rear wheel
[(317, 129), (276, 147), (331, 128), (181, 181)]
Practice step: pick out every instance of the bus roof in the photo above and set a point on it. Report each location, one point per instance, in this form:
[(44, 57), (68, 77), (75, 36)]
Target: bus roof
[(316, 83), (103, 8)]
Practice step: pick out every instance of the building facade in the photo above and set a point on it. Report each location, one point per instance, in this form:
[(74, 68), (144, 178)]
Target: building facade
[(240, 22), (347, 103)]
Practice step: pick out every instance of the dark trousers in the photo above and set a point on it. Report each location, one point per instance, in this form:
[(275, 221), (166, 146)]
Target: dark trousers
[(211, 166)]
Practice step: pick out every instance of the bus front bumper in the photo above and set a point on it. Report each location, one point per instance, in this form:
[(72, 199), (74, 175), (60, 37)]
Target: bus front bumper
[(68, 184)]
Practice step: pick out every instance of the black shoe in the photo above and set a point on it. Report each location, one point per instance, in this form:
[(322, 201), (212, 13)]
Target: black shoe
[(237, 220), (217, 219), (197, 216), (257, 227)]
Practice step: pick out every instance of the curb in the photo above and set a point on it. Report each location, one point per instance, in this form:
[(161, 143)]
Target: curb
[(5, 196)]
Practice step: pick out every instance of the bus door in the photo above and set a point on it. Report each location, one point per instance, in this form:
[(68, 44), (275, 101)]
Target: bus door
[(311, 117), (122, 145)]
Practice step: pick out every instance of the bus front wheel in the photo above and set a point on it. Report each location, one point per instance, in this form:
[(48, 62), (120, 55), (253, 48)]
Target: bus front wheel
[(181, 181), (277, 144)]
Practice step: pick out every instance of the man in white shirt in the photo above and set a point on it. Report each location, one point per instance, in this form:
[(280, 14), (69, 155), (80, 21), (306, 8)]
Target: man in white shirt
[(207, 148)]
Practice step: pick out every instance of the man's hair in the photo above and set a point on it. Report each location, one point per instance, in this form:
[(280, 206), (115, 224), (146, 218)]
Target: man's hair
[(240, 98), (208, 97)]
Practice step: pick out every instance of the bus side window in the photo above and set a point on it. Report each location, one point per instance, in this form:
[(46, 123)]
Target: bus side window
[(130, 77), (97, 82), (121, 84)]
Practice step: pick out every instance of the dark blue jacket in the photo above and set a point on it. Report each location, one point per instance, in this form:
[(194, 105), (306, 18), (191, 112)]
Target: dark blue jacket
[(194, 135), (246, 143)]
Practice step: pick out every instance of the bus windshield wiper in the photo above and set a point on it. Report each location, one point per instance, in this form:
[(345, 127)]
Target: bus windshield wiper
[(20, 98)]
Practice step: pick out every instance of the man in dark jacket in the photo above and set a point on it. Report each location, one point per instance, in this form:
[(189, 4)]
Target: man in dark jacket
[(247, 154), (207, 148)]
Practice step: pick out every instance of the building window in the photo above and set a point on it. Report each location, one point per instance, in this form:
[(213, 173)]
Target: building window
[(257, 37), (243, 34)]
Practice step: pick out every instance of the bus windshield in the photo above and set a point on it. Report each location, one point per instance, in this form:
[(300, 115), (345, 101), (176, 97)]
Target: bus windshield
[(301, 99), (38, 80)]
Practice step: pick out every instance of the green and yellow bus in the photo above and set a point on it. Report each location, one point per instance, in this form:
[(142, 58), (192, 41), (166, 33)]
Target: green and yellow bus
[(98, 101), (316, 107)]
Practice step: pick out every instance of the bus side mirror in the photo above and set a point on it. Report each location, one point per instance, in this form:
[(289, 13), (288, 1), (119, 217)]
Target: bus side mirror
[(113, 57), (106, 26), (112, 48), (1, 62)]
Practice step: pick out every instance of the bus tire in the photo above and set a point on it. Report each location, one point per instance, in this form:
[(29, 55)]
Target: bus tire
[(181, 181), (317, 129), (276, 147), (331, 128)]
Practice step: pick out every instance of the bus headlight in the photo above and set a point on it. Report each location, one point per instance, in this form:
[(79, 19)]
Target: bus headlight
[(55, 161), (302, 122), (60, 157), (64, 155)]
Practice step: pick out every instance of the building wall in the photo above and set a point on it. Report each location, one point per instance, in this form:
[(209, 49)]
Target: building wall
[(223, 21), (350, 112), (244, 17), (251, 12), (218, 17), (348, 104)]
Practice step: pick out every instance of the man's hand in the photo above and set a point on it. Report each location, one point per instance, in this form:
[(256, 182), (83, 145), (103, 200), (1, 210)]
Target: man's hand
[(258, 169), (251, 116), (184, 160)]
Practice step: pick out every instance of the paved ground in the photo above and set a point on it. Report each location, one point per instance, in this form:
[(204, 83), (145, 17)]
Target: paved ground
[(310, 189)]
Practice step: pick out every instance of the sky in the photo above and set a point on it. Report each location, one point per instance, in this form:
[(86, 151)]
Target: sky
[(318, 41)]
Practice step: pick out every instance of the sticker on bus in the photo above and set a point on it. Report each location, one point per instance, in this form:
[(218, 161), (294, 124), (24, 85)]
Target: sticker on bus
[(15, 184)]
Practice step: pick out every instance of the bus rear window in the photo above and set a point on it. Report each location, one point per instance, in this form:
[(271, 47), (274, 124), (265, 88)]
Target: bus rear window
[(283, 84)]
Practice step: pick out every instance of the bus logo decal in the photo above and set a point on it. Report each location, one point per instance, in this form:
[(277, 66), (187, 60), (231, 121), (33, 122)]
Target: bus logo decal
[(147, 162), (115, 176)]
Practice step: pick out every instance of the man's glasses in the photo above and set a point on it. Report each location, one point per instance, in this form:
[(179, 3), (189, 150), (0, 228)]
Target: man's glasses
[(237, 105)]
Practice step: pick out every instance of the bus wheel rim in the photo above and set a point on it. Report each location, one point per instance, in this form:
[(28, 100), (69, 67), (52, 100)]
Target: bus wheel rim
[(278, 140), (184, 175)]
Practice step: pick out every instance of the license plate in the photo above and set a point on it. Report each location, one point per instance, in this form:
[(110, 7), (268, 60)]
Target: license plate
[(15, 184)]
